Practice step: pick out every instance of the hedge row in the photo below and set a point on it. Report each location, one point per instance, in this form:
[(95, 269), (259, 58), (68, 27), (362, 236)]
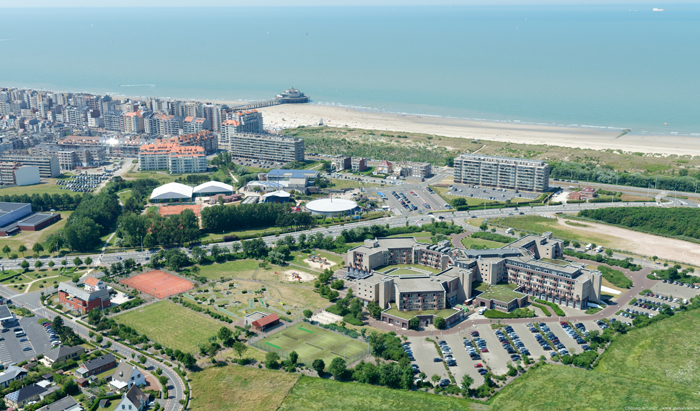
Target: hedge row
[(558, 311)]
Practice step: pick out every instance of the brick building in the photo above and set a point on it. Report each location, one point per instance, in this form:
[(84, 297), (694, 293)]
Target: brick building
[(82, 300)]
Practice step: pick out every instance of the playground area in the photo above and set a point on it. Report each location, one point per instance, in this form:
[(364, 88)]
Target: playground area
[(318, 260), (158, 284), (298, 276), (312, 342)]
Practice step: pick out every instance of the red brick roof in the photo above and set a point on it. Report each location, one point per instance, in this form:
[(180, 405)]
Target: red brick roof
[(91, 281), (266, 320)]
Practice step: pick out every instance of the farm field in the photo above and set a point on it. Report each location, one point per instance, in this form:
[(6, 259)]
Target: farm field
[(538, 224), (312, 394), (650, 367), (233, 388), (312, 342), (171, 325)]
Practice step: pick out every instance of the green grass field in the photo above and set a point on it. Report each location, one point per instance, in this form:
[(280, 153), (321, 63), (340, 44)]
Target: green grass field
[(312, 342), (49, 284), (235, 388), (49, 187), (28, 238), (171, 325), (468, 242), (240, 269), (651, 367), (312, 394)]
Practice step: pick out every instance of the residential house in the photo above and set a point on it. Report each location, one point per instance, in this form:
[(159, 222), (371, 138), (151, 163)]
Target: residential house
[(94, 284), (96, 366), (24, 395), (62, 354), (64, 404), (127, 375), (11, 373), (385, 167), (261, 321), (133, 400)]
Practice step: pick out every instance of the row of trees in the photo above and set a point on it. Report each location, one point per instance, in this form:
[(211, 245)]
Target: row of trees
[(681, 221), (45, 202), (152, 229), (94, 217), (228, 218), (359, 234)]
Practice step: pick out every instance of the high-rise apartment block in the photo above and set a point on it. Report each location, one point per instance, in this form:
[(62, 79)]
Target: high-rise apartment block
[(266, 147), (502, 172), (173, 157), (193, 125), (48, 165)]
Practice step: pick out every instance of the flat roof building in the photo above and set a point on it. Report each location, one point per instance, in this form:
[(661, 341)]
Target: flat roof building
[(501, 172), (173, 157), (266, 147), (49, 166)]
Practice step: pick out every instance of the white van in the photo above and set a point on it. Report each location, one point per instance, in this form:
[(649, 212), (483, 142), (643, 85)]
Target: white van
[(19, 334), (482, 311)]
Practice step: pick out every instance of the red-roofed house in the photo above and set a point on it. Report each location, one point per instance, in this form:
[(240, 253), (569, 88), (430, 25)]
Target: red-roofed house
[(385, 167), (94, 284), (261, 321)]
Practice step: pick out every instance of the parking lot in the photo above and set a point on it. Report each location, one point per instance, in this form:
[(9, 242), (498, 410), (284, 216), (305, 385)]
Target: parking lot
[(413, 199), (424, 352), (528, 338), (465, 365), (488, 193), (12, 350)]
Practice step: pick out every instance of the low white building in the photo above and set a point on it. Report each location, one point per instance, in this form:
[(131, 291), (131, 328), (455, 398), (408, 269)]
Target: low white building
[(172, 191), (125, 376)]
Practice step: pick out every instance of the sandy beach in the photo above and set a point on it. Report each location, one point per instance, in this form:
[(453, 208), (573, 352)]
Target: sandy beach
[(293, 115)]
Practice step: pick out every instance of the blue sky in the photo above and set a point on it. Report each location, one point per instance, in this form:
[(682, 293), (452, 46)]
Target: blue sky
[(278, 3)]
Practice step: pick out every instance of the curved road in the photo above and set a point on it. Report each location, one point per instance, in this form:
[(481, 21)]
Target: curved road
[(32, 301)]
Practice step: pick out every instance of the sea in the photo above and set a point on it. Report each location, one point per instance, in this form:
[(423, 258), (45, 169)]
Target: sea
[(609, 67)]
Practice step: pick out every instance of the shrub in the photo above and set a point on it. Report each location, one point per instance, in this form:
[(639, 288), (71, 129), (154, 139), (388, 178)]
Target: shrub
[(558, 311)]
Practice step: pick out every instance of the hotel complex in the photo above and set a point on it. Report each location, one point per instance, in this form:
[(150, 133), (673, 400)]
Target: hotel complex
[(502, 172), (522, 264), (172, 157)]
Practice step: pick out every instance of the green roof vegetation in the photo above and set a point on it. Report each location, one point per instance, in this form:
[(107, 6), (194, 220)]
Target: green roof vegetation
[(407, 269), (407, 315), (501, 292)]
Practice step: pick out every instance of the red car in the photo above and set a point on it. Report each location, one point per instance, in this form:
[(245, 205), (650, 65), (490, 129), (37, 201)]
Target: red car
[(478, 365), (563, 323), (485, 350)]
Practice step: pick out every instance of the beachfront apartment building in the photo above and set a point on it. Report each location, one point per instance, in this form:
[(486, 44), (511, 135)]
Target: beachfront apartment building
[(240, 122), (70, 157), (113, 120), (133, 122), (48, 165), (266, 147), (205, 139), (501, 172), (191, 125), (165, 155), (358, 164)]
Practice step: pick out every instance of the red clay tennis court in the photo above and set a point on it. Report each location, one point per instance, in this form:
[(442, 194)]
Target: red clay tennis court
[(158, 284)]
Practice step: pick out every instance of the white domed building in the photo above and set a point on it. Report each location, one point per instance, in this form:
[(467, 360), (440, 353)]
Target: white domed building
[(331, 207)]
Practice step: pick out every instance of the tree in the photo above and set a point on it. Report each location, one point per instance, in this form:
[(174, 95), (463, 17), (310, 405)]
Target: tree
[(239, 348), (467, 381), (38, 264), (293, 357), (24, 264), (413, 323), (88, 261), (37, 248), (224, 333), (435, 378), (308, 313), (318, 365), (198, 253), (483, 227), (51, 264), (142, 359), (422, 376), (188, 360), (609, 252), (6, 249), (271, 359), (58, 324), (77, 261), (439, 323), (22, 248), (149, 241), (64, 262), (337, 368)]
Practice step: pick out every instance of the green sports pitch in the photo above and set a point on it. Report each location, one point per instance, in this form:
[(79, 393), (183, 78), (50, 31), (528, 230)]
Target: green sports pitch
[(312, 342)]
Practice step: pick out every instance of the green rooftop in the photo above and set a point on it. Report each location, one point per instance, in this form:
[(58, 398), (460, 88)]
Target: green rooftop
[(501, 292), (557, 262), (406, 269), (407, 315)]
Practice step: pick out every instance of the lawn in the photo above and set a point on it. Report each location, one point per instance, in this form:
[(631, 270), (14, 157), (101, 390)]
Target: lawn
[(469, 242), (311, 394), (312, 342), (171, 325), (386, 268), (48, 283), (49, 187), (650, 367), (407, 315), (500, 292), (300, 258), (239, 269), (234, 387), (420, 234)]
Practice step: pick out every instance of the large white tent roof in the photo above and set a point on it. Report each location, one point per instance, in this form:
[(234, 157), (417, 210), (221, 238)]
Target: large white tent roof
[(212, 187), (171, 191), (327, 206)]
